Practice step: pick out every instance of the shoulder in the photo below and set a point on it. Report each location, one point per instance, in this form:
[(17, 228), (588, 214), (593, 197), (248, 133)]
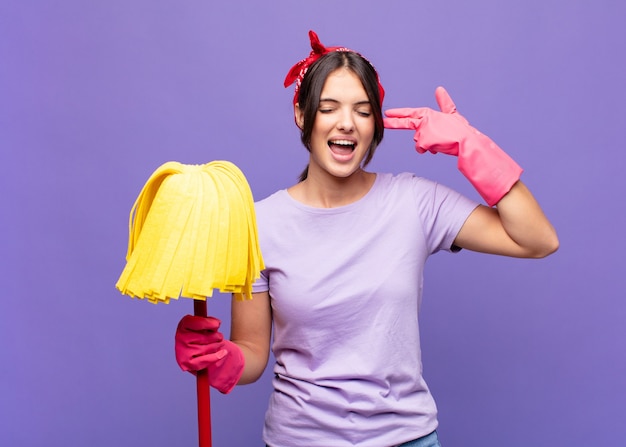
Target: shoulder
[(428, 196), (275, 200), (271, 198), (276, 210)]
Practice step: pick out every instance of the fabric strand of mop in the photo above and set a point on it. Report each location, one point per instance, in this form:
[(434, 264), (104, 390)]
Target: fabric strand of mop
[(192, 230)]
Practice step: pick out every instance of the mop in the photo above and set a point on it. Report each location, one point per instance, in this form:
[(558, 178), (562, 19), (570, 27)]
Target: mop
[(193, 230)]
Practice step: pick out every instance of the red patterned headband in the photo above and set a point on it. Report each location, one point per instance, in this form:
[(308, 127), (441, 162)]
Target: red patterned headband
[(297, 72)]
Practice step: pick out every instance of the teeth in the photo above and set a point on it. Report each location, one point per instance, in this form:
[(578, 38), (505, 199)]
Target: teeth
[(343, 142)]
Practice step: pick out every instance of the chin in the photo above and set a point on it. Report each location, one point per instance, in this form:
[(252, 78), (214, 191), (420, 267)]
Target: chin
[(345, 173)]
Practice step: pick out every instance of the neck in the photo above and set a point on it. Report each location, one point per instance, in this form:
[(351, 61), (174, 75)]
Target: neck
[(323, 191)]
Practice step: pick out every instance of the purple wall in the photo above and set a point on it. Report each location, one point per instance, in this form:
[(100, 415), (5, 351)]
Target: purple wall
[(95, 95)]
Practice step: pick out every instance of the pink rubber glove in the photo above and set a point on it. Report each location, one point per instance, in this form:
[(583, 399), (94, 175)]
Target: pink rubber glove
[(492, 172), (199, 345)]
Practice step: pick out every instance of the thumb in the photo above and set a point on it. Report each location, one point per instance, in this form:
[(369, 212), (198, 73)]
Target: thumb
[(446, 105)]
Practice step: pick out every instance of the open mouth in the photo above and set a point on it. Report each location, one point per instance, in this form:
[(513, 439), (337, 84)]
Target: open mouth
[(342, 146)]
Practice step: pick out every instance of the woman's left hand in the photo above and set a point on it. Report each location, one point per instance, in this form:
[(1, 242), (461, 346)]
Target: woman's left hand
[(434, 131), (492, 172)]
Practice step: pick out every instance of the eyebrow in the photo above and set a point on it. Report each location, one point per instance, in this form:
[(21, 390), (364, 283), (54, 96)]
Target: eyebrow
[(358, 103)]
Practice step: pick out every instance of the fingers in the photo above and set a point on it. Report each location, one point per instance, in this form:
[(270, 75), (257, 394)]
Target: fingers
[(195, 351), (198, 343), (189, 338), (405, 118), (407, 112), (193, 323), (400, 123), (194, 331), (198, 336), (203, 361), (446, 105)]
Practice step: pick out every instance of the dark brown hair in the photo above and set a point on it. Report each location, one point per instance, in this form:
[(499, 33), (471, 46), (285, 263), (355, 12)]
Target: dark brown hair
[(311, 90)]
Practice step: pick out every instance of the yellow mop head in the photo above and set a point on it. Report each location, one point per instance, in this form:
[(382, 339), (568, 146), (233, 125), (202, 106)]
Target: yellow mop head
[(192, 229)]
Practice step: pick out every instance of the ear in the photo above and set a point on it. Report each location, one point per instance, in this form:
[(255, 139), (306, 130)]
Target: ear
[(299, 116)]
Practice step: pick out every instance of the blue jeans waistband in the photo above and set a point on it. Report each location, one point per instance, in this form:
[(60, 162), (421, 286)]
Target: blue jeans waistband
[(430, 440)]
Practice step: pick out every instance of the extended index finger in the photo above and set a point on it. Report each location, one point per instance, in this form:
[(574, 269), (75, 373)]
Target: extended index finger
[(407, 112), (402, 123), (404, 118)]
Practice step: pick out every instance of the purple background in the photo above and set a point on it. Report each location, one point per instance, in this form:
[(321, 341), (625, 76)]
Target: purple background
[(95, 95)]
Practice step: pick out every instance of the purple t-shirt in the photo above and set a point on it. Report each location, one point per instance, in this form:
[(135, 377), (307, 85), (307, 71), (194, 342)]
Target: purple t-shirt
[(346, 286)]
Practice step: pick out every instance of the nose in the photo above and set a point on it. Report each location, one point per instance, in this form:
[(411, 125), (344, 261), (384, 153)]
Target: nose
[(345, 121)]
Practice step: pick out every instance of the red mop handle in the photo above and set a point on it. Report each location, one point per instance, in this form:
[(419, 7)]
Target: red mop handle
[(203, 390)]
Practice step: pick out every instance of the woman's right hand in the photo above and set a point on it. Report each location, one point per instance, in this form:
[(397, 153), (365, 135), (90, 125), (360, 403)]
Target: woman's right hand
[(199, 345)]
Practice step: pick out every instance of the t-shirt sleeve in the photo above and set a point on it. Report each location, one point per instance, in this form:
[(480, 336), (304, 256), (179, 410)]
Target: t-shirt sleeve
[(443, 212), (262, 283), (265, 212)]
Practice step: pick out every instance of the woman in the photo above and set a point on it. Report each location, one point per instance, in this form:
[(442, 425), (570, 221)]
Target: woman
[(344, 251)]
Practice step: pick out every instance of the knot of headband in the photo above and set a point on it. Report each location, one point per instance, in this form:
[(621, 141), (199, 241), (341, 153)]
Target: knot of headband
[(297, 72)]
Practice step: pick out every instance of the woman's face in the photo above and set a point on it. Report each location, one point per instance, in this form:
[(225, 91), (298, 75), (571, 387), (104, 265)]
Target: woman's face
[(343, 128)]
